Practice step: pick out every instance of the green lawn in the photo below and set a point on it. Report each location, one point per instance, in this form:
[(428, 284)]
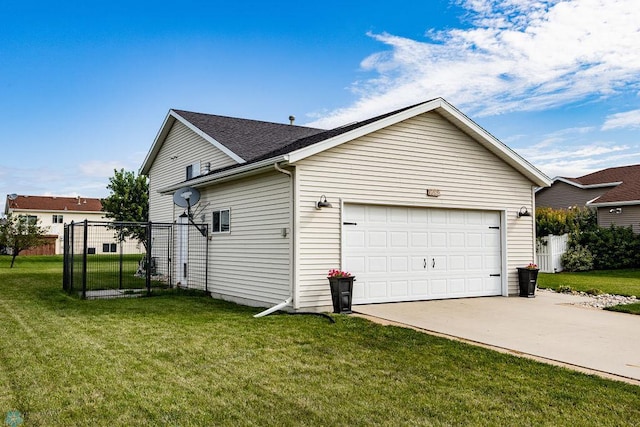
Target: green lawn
[(180, 359), (617, 282)]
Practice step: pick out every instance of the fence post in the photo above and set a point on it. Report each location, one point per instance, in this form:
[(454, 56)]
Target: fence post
[(85, 239), (65, 277), (148, 269), (119, 234), (206, 259), (72, 257)]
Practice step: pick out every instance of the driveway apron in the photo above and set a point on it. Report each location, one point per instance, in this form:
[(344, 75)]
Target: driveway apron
[(550, 326)]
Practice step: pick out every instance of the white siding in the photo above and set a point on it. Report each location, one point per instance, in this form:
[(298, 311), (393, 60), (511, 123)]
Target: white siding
[(396, 166), (252, 263), (181, 148)]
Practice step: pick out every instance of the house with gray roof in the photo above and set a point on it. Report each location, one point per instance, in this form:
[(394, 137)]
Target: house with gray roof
[(613, 192), (419, 203)]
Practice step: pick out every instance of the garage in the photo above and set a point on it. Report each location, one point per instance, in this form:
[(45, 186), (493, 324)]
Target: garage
[(407, 253)]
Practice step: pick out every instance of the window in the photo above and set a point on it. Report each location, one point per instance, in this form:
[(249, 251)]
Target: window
[(29, 219), (57, 219), (193, 170), (221, 221), (109, 247)]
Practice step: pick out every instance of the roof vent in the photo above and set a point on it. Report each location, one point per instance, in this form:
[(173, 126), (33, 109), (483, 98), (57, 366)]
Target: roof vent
[(292, 119)]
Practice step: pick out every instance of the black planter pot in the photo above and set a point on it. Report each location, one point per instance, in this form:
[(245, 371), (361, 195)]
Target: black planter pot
[(341, 292), (527, 279)]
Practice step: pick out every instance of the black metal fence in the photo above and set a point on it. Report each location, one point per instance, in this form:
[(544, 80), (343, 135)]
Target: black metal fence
[(119, 259)]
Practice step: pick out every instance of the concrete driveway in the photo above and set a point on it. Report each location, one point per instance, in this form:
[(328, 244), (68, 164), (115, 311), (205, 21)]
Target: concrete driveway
[(548, 327)]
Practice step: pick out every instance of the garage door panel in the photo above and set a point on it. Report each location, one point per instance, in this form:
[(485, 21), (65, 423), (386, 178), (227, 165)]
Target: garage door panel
[(438, 287), (404, 254), (356, 264), (457, 262), (399, 288), (376, 289), (474, 240), (399, 239), (376, 214), (377, 239), (355, 239), (398, 264), (377, 264), (419, 239), (419, 287), (457, 240), (438, 239)]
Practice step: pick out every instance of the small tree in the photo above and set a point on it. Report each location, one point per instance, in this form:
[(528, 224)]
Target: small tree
[(128, 202), (18, 233)]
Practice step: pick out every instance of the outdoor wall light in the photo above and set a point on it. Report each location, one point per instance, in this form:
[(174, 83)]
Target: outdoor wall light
[(615, 210), (323, 203), (523, 212)]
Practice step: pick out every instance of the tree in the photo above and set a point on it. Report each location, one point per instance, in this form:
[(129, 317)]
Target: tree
[(18, 233), (128, 202)]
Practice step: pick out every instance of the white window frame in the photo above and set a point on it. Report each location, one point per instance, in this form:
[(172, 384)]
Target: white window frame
[(213, 217), (195, 170)]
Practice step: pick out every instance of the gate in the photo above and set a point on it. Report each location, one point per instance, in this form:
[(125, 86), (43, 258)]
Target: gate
[(119, 259), (550, 250)]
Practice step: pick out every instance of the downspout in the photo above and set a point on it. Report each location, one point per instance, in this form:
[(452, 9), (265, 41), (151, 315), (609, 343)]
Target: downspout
[(286, 302)]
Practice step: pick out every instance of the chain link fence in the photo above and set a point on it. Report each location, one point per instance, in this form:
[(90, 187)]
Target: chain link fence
[(120, 259)]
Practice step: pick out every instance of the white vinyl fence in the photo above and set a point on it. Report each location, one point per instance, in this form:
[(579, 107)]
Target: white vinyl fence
[(550, 249)]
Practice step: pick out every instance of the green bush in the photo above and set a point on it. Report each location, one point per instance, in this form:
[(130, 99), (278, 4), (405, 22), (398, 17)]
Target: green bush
[(612, 248), (577, 258), (561, 221)]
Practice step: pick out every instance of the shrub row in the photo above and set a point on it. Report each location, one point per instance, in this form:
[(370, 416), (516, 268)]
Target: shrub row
[(602, 249)]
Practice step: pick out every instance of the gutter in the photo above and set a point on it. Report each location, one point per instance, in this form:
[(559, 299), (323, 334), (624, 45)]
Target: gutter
[(288, 301), (225, 175)]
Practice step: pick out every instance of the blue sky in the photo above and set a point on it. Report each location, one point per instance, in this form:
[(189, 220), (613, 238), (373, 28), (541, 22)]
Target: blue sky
[(85, 86)]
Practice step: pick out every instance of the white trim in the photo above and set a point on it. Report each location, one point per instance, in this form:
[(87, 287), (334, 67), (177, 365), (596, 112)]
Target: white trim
[(582, 186), (605, 204), (200, 133), (162, 134), (439, 105), (296, 240), (504, 274), (225, 175), (451, 114), (220, 210)]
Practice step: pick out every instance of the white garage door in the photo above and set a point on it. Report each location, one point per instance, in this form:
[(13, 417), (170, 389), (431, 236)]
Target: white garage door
[(407, 254)]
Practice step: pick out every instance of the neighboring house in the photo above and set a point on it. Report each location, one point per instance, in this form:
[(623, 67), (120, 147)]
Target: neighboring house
[(420, 203), (53, 213), (614, 192)]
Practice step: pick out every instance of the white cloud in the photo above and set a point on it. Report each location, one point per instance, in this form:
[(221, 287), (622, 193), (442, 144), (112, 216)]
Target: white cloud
[(517, 56), (101, 169), (629, 119)]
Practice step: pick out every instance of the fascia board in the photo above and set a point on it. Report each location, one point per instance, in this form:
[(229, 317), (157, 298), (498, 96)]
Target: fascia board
[(450, 113), (169, 120), (303, 153), (157, 143), (606, 204), (226, 175), (494, 145), (587, 186), (203, 135)]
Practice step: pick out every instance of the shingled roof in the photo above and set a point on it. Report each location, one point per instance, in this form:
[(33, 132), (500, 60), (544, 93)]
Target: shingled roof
[(625, 182), (53, 203), (252, 142), (255, 140), (248, 139)]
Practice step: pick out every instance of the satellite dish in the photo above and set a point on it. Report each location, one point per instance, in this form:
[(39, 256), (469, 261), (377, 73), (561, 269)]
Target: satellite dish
[(186, 197), (12, 196)]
